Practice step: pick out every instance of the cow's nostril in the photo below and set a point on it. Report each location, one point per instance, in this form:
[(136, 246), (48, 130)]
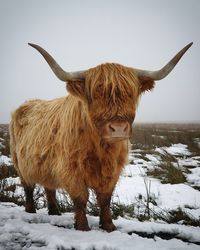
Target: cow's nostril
[(112, 129), (126, 127)]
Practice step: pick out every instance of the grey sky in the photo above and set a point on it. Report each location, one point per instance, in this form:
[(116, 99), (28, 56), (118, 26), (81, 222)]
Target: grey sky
[(83, 33)]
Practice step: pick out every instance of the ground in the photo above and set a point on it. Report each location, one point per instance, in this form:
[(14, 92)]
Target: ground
[(19, 230), (156, 203)]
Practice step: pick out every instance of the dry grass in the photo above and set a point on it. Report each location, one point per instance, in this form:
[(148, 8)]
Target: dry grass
[(168, 173), (180, 215), (4, 141), (150, 136)]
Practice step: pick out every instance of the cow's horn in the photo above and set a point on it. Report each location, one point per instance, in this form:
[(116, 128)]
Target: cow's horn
[(162, 73), (58, 71)]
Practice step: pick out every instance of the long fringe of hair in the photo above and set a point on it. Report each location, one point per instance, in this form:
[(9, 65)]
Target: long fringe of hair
[(115, 81)]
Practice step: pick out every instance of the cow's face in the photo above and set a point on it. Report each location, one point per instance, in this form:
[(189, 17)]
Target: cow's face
[(111, 92), (112, 118)]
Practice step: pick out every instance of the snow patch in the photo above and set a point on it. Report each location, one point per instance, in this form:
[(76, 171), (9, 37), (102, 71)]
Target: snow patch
[(175, 149), (20, 230), (5, 160)]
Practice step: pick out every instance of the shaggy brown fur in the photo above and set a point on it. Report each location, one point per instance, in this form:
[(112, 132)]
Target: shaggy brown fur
[(59, 143)]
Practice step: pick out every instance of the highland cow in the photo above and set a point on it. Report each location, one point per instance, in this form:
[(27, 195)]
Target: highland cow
[(79, 142)]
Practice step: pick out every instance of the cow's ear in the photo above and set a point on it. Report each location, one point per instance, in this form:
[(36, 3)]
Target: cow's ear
[(76, 88), (146, 84)]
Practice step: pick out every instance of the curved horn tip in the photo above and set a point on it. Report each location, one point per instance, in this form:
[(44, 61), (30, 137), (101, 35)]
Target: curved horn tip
[(34, 45), (188, 46), (31, 44), (58, 71)]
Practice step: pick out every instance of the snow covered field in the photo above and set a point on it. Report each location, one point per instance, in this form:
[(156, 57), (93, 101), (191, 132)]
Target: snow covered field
[(20, 230), (167, 196)]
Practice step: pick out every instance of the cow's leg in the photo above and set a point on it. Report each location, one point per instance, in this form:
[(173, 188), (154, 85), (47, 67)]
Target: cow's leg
[(29, 203), (51, 202), (105, 213), (80, 203)]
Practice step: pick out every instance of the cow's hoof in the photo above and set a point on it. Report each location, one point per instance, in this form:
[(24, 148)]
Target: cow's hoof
[(54, 212), (109, 227), (30, 208), (82, 227)]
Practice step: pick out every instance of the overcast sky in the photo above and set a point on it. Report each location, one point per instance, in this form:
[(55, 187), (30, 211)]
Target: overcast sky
[(84, 33)]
